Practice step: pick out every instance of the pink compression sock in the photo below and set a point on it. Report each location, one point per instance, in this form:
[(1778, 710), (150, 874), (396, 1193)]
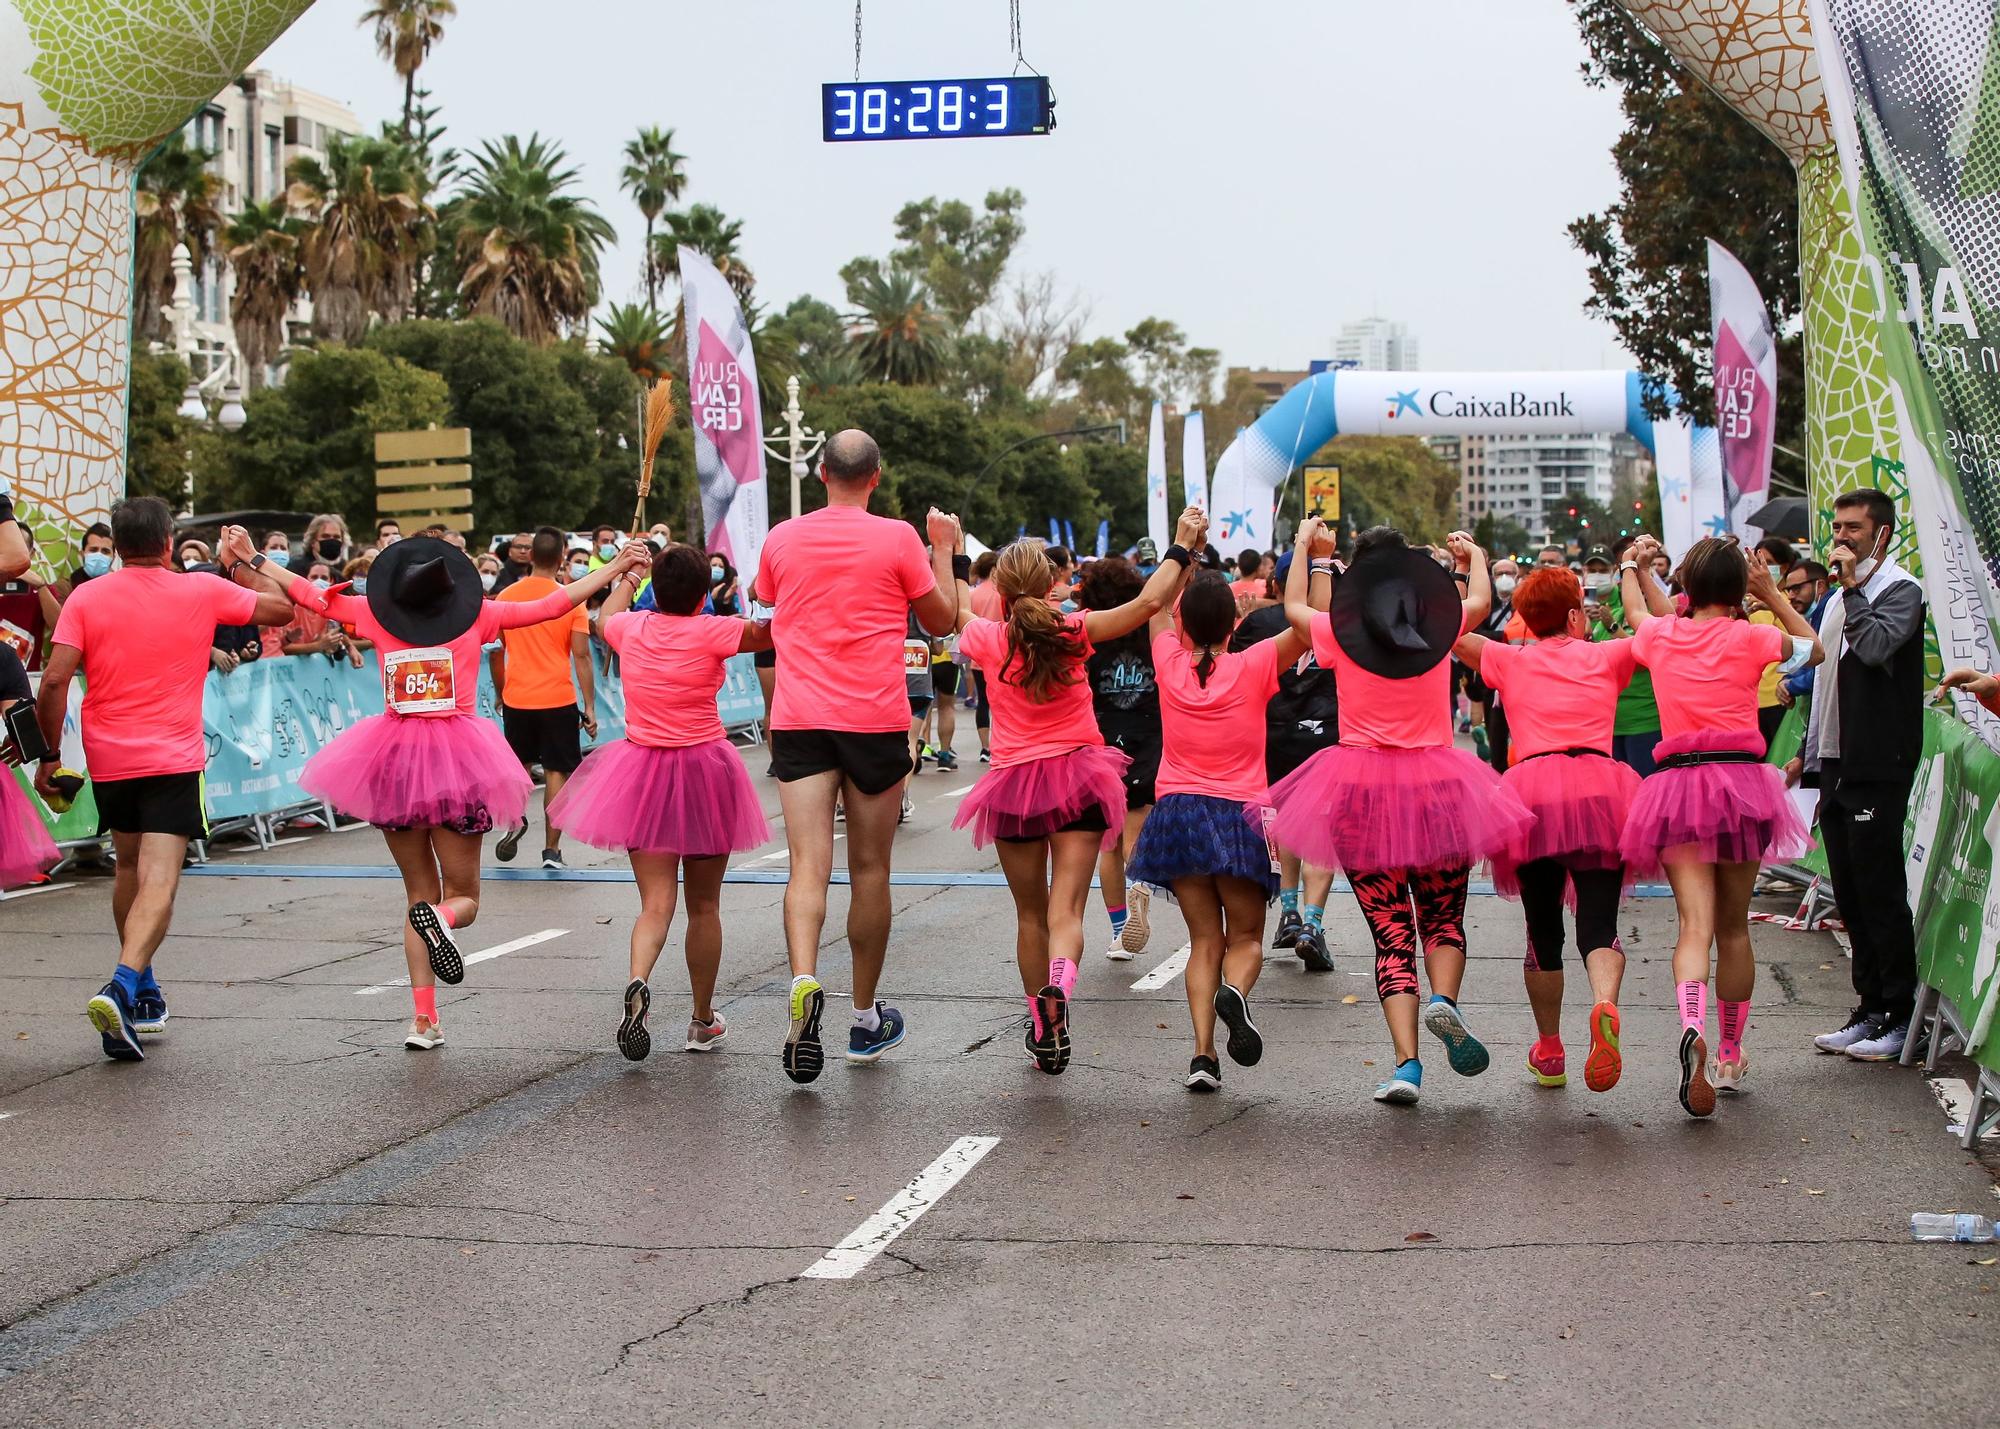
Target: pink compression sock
[(1062, 972), (1734, 1017), (1035, 1017), (426, 999), (1694, 1004)]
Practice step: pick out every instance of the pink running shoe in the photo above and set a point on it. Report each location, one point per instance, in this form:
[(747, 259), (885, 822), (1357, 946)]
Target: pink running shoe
[(1548, 1061)]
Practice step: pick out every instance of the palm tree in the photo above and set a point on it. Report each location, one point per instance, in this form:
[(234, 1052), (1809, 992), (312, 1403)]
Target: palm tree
[(896, 334), (405, 30), (264, 251), (175, 206), (636, 336), (366, 234), (654, 177), (829, 369), (527, 249), (710, 233)]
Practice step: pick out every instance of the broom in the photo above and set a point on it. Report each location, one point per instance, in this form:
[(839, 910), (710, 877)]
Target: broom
[(659, 416)]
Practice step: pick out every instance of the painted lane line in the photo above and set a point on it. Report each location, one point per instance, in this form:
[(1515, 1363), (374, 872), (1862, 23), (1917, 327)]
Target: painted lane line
[(902, 1211), (5, 1114), (482, 956), (773, 856), (32, 891), (954, 793), (1166, 972), (1954, 1094)]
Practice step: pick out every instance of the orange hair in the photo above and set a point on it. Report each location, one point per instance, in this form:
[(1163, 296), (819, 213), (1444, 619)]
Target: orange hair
[(1544, 599)]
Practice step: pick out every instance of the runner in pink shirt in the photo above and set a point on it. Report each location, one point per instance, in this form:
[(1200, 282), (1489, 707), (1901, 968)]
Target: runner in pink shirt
[(141, 636), (841, 584), (1715, 810), (1207, 843), (1056, 794), (429, 771), (1394, 804), (1561, 696), (672, 793)]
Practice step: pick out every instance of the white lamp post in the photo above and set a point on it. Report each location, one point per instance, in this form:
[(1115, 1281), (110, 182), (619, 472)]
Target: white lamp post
[(801, 443)]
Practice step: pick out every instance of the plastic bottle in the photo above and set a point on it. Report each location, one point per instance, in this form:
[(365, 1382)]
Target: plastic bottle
[(1954, 1226)]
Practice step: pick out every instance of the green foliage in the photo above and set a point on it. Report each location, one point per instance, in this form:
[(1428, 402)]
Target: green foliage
[(1502, 536), (634, 334), (526, 245), (897, 334), (711, 233), (1393, 481), (959, 255), (156, 435), (1588, 523), (309, 445)]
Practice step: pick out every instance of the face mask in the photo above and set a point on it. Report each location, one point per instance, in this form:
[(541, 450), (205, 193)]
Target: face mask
[(1505, 584), (578, 570), (331, 548), (96, 563), (279, 558), (607, 550), (715, 575), (1869, 564), (322, 585), (487, 580), (361, 585)]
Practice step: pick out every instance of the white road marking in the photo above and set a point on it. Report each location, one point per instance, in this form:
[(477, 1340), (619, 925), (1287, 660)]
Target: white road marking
[(5, 1114), (1166, 972), (32, 891), (954, 793), (482, 956), (874, 1235), (1954, 1094), (773, 856)]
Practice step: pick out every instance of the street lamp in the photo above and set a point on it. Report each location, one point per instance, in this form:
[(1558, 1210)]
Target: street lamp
[(1108, 429), (802, 443)]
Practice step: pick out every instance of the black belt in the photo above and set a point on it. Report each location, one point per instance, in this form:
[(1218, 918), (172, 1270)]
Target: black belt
[(1708, 756), (1578, 751)]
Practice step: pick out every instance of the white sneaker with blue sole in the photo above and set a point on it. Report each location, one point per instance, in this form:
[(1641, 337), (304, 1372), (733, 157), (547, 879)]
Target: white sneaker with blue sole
[(1466, 1053)]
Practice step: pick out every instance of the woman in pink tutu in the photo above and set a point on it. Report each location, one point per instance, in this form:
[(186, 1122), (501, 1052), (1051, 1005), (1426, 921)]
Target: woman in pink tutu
[(1056, 795), (26, 851), (671, 794), (1561, 693), (1715, 809), (1393, 805), (429, 771)]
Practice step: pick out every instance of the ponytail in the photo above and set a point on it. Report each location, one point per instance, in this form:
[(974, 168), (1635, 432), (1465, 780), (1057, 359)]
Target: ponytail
[(1050, 650), (1204, 667)]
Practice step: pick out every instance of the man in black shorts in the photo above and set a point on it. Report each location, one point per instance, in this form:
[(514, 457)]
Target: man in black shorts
[(842, 584), (547, 691)]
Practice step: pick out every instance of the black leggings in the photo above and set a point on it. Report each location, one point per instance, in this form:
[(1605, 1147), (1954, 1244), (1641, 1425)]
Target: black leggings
[(982, 712), (1405, 909), (1543, 885)]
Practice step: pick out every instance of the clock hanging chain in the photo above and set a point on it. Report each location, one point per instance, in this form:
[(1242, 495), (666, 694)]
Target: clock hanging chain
[(857, 41)]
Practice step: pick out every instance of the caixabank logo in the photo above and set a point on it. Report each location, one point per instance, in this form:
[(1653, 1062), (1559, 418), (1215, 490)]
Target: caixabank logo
[(1506, 406)]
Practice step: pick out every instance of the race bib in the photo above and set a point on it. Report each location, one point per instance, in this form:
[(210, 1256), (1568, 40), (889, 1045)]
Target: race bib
[(1270, 818), (18, 640), (916, 657), (419, 681)]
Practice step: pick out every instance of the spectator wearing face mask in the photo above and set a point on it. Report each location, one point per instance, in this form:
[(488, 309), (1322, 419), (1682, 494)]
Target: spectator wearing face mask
[(311, 633), (326, 540), (578, 564), (604, 544), (488, 566), (355, 573), (95, 559), (278, 549), (723, 591)]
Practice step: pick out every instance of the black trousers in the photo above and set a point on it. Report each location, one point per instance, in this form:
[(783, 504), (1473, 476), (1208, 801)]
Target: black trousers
[(1861, 824)]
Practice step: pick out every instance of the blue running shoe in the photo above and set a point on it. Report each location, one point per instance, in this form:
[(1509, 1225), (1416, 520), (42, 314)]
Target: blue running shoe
[(110, 1013), (1466, 1053), (1405, 1086), (866, 1046), (149, 1011)]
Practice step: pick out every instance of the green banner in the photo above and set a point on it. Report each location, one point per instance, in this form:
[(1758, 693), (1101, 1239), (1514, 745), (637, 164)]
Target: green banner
[(1951, 836)]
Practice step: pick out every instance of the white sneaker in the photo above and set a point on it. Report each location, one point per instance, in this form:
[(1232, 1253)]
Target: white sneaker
[(1138, 923), (423, 1034), (909, 808), (1728, 1076), (1116, 952), (706, 1036), (1882, 1044), (1853, 1030)]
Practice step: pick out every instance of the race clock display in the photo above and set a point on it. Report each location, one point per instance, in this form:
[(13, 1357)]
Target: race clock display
[(936, 109)]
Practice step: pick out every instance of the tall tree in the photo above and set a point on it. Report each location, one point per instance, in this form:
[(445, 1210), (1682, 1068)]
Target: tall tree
[(264, 255), (711, 233), (176, 206), (653, 177), (367, 228), (526, 246), (636, 337), (897, 335), (405, 32), (1689, 169), (960, 255)]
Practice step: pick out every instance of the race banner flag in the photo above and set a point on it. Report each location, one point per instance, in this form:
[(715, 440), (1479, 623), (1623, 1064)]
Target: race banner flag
[(1746, 386), (1913, 96), (1241, 505), (1103, 539), (1159, 525), (1069, 539), (1194, 462), (728, 425)]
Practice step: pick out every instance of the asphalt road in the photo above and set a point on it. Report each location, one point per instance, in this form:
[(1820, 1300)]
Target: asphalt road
[(283, 1217)]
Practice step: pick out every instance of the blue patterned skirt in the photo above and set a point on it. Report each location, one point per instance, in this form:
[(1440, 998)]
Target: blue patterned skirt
[(1194, 835)]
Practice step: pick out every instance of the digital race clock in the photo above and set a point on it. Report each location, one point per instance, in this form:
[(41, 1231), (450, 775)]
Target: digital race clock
[(936, 109)]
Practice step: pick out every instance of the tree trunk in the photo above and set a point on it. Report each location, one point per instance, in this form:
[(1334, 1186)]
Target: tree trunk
[(652, 272), (409, 100)]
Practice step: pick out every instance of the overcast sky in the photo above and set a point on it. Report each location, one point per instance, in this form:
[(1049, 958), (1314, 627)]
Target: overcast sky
[(1258, 172)]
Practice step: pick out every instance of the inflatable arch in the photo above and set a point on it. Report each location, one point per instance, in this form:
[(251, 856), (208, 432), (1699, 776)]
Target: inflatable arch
[(1420, 404)]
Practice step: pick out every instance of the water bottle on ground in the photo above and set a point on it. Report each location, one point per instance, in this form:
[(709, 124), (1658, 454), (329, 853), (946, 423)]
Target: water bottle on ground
[(1953, 1226)]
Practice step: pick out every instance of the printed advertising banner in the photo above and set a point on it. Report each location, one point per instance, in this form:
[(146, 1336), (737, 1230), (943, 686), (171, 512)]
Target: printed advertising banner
[(1159, 524), (1913, 95), (1745, 366), (728, 423), (1423, 404)]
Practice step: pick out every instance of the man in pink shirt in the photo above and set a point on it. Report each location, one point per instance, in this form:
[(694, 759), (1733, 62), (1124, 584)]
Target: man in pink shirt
[(141, 635), (842, 584)]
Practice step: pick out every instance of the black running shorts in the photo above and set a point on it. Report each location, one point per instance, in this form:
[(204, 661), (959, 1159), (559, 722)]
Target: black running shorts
[(551, 738), (152, 804), (873, 763)]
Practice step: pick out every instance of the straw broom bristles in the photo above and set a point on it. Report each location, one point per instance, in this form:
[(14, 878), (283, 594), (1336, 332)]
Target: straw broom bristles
[(659, 416)]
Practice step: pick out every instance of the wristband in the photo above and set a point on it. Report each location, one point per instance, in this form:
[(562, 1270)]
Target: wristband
[(961, 567), (1465, 576), (1177, 552), (1321, 566), (1624, 566), (52, 758)]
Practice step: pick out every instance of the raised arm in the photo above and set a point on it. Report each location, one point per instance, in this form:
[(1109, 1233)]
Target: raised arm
[(1309, 583), (510, 615), (1472, 569), (275, 596), (1764, 586), (1642, 596), (1161, 587), (947, 537)]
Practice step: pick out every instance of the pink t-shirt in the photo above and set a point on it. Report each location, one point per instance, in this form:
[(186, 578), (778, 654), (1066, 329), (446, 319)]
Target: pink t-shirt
[(145, 633), (1212, 735), (1022, 729), (1705, 672), (672, 666), (1560, 693), (434, 679), (840, 583), (987, 602), (1377, 712)]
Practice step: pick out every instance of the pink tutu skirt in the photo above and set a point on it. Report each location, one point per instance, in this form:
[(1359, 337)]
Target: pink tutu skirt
[(421, 772), (1033, 800), (1713, 813), (1580, 803), (26, 850), (1363, 810), (694, 802)]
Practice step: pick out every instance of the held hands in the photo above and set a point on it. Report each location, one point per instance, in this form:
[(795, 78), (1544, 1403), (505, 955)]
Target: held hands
[(1316, 538), (943, 529), (235, 547), (634, 558), (1464, 550), (1191, 532)]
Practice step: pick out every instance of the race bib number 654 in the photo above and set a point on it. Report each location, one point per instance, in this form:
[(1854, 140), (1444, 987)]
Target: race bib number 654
[(419, 681)]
